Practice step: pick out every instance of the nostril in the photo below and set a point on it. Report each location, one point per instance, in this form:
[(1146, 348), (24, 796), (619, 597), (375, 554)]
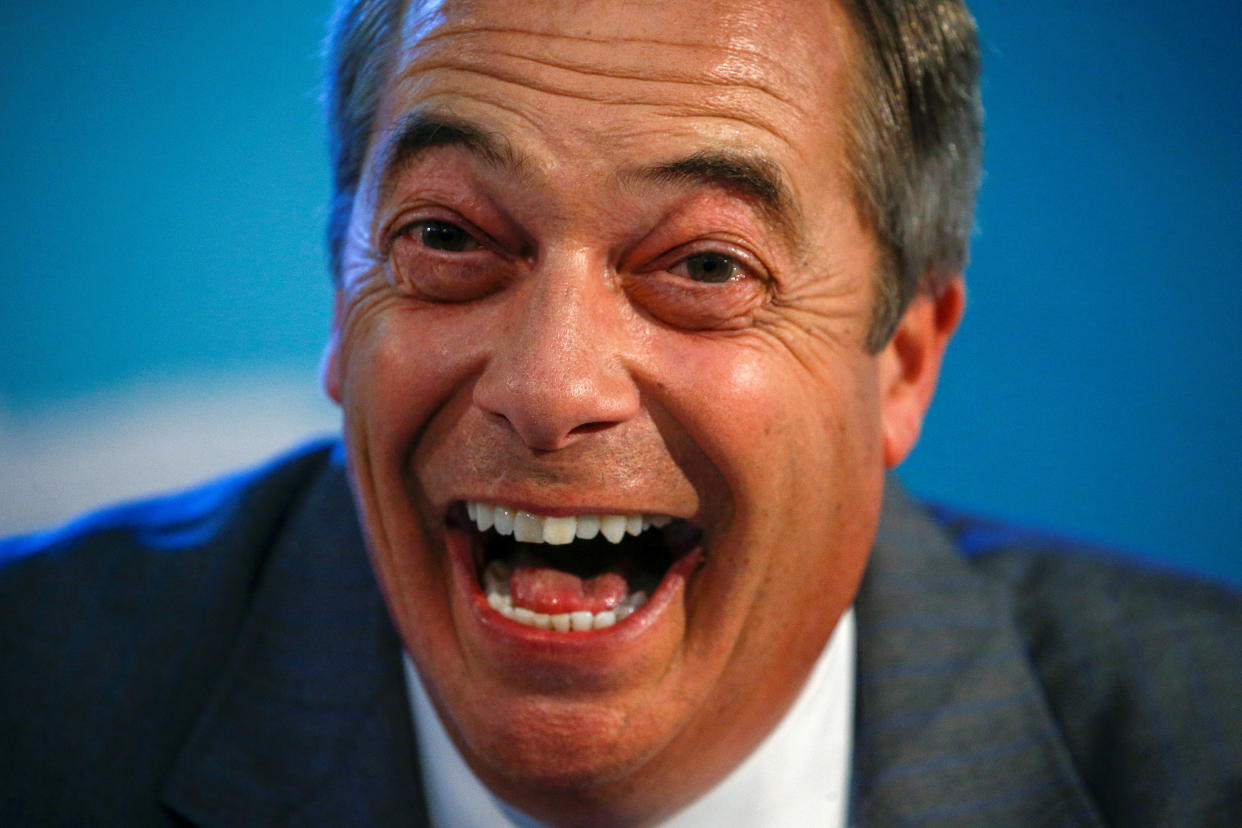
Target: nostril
[(499, 419), (542, 429), (590, 428)]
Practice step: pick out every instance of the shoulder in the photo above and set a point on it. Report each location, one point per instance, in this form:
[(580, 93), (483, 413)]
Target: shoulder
[(1059, 586), (1141, 667), (117, 622), (1070, 581), (139, 556)]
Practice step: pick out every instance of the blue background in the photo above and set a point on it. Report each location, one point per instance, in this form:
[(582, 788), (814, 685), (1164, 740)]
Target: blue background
[(163, 178)]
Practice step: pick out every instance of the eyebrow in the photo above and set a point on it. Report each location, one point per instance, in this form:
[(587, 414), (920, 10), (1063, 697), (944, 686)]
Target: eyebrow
[(756, 179), (418, 132)]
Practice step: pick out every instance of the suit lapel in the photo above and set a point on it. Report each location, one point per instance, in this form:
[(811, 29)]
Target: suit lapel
[(951, 724), (310, 724)]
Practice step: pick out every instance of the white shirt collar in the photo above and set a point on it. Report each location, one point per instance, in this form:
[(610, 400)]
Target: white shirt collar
[(799, 774)]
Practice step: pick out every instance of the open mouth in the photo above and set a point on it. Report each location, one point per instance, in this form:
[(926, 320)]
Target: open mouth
[(572, 573)]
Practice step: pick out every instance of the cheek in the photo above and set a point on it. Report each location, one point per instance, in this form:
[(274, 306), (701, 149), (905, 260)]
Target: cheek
[(399, 367), (766, 420)]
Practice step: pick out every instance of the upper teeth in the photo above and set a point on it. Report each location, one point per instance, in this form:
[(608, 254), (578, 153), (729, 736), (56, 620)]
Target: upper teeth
[(530, 528)]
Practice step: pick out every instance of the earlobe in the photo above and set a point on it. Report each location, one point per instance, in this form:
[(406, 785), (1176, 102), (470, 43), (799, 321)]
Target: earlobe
[(329, 368), (910, 365)]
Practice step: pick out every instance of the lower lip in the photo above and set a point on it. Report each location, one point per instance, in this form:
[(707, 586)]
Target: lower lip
[(527, 642)]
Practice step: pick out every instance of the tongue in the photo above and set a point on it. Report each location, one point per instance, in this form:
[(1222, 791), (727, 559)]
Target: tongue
[(554, 591)]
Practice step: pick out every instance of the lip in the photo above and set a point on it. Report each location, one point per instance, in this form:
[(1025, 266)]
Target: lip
[(544, 510), (596, 657)]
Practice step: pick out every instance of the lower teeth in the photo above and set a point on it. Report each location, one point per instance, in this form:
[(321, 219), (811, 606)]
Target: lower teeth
[(496, 583)]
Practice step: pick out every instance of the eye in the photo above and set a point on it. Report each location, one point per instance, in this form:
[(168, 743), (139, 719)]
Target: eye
[(443, 235), (437, 260), (702, 290), (710, 267)]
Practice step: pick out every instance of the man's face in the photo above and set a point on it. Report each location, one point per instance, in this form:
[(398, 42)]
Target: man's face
[(604, 261)]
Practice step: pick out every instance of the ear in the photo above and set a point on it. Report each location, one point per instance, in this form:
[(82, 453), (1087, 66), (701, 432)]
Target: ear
[(329, 362), (909, 365)]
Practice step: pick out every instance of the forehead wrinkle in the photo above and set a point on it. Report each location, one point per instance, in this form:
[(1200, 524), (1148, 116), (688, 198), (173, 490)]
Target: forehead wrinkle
[(721, 106), (558, 63), (426, 128), (755, 178), (733, 66), (651, 77)]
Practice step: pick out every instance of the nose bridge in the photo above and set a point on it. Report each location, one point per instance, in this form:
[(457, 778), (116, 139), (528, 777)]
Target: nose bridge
[(557, 370)]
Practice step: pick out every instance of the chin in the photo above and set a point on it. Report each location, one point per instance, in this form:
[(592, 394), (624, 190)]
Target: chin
[(557, 747)]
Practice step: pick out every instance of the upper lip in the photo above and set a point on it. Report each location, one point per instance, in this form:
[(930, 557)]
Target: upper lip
[(545, 509)]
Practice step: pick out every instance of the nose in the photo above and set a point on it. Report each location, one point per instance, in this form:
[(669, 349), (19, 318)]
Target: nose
[(558, 371)]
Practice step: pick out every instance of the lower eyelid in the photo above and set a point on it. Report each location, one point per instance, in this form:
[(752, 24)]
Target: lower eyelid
[(694, 305)]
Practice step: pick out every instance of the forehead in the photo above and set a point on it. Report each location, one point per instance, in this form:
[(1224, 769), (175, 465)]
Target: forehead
[(603, 80)]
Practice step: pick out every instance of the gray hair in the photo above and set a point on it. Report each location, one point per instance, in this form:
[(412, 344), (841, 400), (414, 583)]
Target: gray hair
[(914, 136), (358, 51), (914, 144)]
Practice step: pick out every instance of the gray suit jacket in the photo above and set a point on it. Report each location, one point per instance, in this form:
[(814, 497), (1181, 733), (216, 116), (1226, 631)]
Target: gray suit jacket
[(223, 657)]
